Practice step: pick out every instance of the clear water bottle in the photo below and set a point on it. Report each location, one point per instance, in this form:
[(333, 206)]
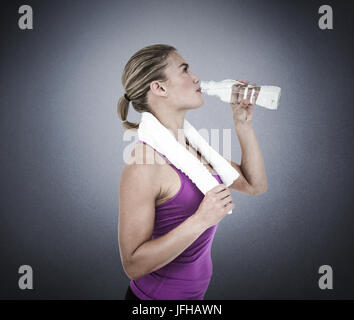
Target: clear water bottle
[(268, 96)]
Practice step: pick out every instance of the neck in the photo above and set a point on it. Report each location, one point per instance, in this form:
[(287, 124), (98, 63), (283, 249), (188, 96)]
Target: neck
[(173, 121)]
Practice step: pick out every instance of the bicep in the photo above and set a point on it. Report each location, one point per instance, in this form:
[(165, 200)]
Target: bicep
[(137, 195)]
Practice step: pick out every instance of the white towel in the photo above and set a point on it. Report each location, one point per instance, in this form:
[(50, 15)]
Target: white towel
[(153, 132)]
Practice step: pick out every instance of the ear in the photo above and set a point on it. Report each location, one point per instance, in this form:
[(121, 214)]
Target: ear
[(158, 89)]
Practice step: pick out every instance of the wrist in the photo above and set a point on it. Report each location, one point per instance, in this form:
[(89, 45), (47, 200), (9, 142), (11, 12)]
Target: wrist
[(243, 126), (198, 222)]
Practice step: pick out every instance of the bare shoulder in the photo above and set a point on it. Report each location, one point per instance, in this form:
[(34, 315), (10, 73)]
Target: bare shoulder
[(141, 171)]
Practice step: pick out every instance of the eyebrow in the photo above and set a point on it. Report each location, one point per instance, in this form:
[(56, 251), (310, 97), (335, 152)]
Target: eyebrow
[(184, 64)]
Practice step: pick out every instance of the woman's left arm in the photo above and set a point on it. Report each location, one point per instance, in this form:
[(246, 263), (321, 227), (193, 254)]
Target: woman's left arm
[(253, 179)]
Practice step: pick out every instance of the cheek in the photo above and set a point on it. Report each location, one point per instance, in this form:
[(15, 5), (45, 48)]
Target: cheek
[(187, 88), (183, 90)]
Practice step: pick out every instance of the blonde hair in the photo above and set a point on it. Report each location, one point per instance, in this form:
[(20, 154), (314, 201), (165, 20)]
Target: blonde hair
[(146, 65)]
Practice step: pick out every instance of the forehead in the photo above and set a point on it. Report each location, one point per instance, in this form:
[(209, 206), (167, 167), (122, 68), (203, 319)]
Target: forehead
[(174, 60)]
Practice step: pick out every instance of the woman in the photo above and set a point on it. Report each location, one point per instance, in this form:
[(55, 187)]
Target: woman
[(166, 224)]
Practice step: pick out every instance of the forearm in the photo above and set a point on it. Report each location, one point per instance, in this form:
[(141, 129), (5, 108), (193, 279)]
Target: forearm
[(252, 162), (156, 253)]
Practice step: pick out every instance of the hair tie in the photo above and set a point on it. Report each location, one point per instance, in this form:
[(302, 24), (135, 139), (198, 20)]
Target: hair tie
[(126, 97), (125, 120)]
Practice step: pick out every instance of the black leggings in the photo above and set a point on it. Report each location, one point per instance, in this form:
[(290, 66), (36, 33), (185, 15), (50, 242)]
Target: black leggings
[(129, 295)]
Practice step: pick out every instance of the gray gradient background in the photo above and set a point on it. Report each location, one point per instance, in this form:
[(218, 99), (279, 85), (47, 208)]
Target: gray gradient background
[(62, 143)]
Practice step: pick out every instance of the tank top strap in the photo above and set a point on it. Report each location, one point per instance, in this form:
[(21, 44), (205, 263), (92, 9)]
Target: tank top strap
[(162, 155)]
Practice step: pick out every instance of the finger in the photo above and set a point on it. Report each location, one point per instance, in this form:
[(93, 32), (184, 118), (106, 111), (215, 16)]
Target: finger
[(256, 93), (246, 92), (228, 198), (219, 188), (249, 92), (241, 94), (234, 95), (244, 102), (229, 206), (223, 194), (226, 201)]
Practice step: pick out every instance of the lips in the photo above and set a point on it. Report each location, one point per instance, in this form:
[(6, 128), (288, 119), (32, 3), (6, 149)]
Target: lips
[(199, 89)]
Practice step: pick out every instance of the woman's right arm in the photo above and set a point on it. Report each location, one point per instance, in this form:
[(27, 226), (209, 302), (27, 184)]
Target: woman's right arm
[(140, 254), (138, 191)]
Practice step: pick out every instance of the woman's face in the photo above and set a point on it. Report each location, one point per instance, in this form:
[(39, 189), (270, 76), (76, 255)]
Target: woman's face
[(182, 84)]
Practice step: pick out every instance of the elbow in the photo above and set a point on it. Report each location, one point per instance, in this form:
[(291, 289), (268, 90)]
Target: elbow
[(127, 267), (131, 276), (259, 190), (130, 273), (127, 271), (131, 270)]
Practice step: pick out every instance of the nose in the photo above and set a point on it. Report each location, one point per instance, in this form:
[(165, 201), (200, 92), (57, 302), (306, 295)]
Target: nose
[(196, 79)]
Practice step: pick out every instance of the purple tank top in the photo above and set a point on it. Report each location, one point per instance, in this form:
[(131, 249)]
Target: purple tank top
[(186, 277)]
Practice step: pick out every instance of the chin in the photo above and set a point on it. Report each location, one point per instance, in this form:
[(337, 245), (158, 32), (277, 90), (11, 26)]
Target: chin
[(200, 102), (196, 105)]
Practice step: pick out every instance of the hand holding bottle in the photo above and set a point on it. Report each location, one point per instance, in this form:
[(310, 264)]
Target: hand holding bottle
[(242, 108), (267, 96)]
